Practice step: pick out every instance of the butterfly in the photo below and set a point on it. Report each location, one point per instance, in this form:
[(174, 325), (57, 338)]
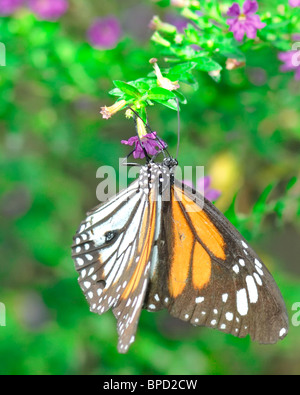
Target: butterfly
[(159, 244)]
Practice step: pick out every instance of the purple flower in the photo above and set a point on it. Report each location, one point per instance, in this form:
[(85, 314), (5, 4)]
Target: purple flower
[(105, 33), (291, 60), (151, 144), (8, 7), (244, 21), (48, 10), (204, 186), (294, 3)]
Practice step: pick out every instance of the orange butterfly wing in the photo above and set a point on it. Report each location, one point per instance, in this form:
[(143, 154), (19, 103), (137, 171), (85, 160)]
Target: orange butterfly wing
[(208, 275)]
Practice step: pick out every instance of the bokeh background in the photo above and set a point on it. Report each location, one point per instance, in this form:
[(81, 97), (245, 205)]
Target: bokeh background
[(244, 130)]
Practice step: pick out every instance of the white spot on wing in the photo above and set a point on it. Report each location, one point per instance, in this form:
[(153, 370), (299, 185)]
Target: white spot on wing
[(236, 269), (259, 271), (257, 263), (257, 279), (79, 261), (244, 244), (225, 298), (252, 290), (229, 316), (282, 332), (242, 262), (242, 302), (200, 299)]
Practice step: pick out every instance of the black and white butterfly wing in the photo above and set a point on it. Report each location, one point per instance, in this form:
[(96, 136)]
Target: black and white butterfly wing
[(208, 275), (112, 251)]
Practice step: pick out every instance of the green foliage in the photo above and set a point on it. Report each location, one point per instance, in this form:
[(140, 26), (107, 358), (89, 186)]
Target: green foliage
[(241, 124), (206, 44)]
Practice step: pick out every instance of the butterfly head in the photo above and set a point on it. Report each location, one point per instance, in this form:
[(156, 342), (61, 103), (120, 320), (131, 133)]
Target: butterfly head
[(170, 163)]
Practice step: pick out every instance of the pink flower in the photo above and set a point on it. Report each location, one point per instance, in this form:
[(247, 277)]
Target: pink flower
[(8, 7), (151, 144), (49, 10), (204, 186), (294, 3), (291, 62), (105, 33), (246, 21), (108, 112)]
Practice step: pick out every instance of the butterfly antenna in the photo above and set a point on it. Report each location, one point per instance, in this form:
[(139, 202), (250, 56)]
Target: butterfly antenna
[(178, 130), (125, 163)]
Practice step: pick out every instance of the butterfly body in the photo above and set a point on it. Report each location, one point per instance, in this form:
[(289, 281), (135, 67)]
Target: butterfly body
[(159, 244)]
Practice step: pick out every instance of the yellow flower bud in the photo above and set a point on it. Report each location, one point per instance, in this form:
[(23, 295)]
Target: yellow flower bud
[(164, 82)]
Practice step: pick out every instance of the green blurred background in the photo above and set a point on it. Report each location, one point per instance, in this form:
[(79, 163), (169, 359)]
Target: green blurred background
[(244, 130)]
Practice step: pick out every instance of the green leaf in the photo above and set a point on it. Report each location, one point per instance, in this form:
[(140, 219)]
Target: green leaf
[(163, 3), (180, 97), (116, 92), (232, 52), (160, 94), (279, 208), (182, 68), (207, 64), (140, 85), (259, 207), (150, 82), (192, 34), (291, 183), (172, 104), (128, 89), (282, 45)]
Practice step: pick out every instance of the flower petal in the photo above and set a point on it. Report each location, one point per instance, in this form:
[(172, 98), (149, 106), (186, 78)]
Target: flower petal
[(239, 31), (48, 10), (212, 195), (234, 10), (294, 3), (131, 141), (149, 143), (250, 7), (203, 183), (297, 75), (255, 21), (8, 7), (251, 31), (104, 33)]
